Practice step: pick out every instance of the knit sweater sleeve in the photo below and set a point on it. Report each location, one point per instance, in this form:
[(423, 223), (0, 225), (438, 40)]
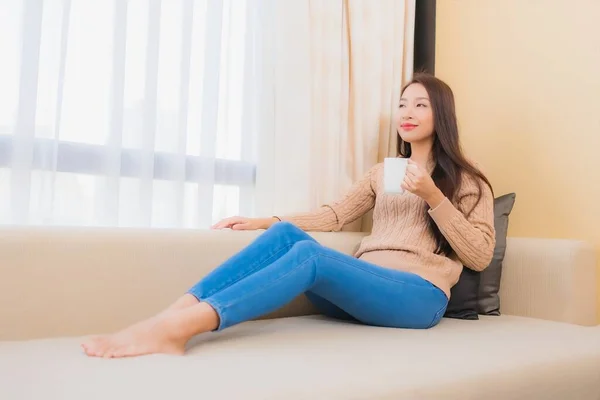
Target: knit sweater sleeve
[(472, 237), (356, 202)]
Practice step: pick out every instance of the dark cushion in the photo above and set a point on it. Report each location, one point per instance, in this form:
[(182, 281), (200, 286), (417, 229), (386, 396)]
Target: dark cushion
[(463, 296), (488, 302), (477, 292)]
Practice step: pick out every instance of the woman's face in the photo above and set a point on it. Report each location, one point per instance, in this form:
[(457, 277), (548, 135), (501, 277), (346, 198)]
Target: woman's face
[(415, 117)]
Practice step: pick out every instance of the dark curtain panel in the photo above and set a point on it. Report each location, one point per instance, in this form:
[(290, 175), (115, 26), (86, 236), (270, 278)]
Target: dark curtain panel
[(424, 60)]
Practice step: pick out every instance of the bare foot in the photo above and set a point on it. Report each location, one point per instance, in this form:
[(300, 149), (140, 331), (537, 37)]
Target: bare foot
[(100, 346), (155, 335), (166, 333)]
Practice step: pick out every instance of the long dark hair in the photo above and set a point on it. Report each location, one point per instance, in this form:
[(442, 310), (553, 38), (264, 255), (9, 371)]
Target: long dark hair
[(450, 162)]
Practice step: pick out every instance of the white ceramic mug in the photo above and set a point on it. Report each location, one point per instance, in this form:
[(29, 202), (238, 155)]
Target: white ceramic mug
[(394, 169)]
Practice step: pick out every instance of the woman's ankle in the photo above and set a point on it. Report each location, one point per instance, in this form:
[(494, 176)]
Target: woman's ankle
[(187, 300), (193, 320)]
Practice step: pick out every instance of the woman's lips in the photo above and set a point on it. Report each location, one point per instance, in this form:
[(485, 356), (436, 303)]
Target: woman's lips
[(408, 127)]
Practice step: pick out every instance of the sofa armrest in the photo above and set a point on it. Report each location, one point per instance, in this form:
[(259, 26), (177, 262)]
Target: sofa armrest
[(552, 279)]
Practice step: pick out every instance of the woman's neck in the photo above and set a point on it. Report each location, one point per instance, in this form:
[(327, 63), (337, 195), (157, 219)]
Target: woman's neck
[(422, 155)]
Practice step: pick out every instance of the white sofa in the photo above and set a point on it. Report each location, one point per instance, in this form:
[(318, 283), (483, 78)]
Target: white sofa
[(58, 285)]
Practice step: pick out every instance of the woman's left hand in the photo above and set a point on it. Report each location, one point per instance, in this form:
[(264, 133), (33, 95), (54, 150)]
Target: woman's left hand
[(420, 183)]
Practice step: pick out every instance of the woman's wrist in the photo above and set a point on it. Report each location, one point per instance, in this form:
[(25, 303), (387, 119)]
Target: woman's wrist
[(435, 199), (266, 223)]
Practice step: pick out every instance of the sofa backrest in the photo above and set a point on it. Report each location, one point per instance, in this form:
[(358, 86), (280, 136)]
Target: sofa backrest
[(75, 281)]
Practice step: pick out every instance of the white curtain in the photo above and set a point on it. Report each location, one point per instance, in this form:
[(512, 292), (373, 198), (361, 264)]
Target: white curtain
[(362, 54), (338, 67), (128, 112), (176, 113)]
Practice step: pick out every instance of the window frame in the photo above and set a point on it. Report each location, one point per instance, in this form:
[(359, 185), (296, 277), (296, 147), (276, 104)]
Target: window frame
[(92, 159)]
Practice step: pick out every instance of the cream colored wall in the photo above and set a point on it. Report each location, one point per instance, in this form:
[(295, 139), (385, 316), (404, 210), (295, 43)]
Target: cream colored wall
[(526, 75)]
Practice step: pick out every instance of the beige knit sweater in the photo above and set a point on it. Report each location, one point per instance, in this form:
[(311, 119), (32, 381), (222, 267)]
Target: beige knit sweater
[(400, 237)]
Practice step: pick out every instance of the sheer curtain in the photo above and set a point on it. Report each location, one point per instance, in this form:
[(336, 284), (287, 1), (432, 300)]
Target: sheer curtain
[(362, 54), (177, 113), (128, 112), (338, 68)]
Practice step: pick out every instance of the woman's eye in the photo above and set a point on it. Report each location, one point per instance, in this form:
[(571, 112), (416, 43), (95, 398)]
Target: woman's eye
[(421, 105), (402, 105)]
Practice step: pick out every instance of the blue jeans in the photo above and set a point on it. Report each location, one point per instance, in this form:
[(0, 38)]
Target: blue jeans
[(285, 262)]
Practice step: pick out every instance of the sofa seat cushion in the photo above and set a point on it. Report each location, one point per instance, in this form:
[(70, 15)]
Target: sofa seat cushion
[(314, 357)]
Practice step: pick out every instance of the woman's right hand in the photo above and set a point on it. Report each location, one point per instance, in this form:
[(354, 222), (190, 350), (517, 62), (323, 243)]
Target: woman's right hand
[(245, 224)]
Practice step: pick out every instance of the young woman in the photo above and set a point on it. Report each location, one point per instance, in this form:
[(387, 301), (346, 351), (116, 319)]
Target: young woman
[(400, 276)]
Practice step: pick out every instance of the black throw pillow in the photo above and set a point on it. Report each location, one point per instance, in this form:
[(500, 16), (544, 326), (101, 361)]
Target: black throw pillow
[(463, 296), (477, 292), (488, 302)]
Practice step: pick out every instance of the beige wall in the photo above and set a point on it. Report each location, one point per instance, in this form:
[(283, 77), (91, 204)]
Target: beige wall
[(526, 76)]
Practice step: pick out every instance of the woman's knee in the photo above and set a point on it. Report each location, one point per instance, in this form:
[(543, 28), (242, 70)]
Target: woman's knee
[(287, 228), (307, 247), (283, 226)]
